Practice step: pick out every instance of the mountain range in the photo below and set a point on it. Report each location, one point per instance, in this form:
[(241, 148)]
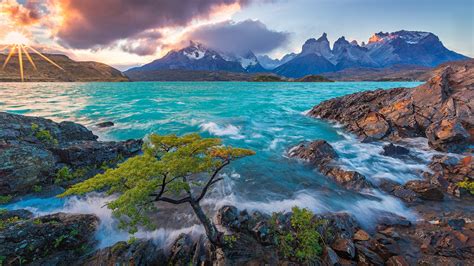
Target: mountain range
[(411, 48)]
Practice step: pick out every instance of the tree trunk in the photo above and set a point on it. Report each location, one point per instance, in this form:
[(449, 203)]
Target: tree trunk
[(211, 231)]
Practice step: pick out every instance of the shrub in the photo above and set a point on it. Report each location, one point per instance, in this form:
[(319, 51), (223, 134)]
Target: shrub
[(301, 242), (63, 174), (43, 135), (468, 185), (5, 199)]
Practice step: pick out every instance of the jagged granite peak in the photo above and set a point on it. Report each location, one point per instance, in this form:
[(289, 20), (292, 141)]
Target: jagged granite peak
[(323, 38), (384, 49), (340, 45), (319, 47)]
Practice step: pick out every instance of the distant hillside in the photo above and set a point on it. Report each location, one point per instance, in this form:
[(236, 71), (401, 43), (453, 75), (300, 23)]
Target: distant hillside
[(392, 73), (187, 75), (73, 71)]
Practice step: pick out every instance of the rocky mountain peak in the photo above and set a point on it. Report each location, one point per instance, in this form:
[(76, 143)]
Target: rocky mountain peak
[(319, 46), (323, 38), (377, 37)]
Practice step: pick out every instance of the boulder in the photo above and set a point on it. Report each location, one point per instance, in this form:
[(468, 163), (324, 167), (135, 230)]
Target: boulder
[(425, 190), (397, 261), (322, 155), (440, 109), (87, 153), (140, 252), (344, 248), (105, 124), (23, 167), (33, 149), (395, 151), (48, 239), (318, 152), (20, 214)]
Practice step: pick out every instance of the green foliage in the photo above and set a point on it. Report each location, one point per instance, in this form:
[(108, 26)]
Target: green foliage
[(132, 240), (37, 188), (43, 135), (301, 242), (59, 240), (468, 185), (5, 199), (230, 240), (6, 222), (170, 166), (65, 174)]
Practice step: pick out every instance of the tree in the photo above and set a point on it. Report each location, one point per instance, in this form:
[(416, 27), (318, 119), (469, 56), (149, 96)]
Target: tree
[(177, 170)]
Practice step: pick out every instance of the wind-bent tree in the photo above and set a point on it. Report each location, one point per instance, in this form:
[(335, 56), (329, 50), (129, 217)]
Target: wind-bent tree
[(172, 169)]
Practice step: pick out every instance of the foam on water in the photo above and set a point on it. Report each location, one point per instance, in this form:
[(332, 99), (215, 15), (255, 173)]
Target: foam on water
[(264, 117), (227, 130)]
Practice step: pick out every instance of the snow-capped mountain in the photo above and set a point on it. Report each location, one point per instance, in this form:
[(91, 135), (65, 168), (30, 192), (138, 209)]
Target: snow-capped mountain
[(269, 63), (198, 57), (382, 50)]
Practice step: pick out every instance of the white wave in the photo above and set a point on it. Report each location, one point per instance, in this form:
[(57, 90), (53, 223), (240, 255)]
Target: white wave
[(366, 158), (306, 111), (227, 130), (274, 144)]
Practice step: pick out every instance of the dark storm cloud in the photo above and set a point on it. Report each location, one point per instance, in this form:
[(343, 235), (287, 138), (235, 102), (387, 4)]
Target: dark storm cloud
[(92, 23), (239, 37)]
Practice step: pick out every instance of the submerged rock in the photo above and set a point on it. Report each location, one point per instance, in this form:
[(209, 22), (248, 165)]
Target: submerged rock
[(105, 124), (33, 149), (395, 151), (47, 240), (322, 155), (440, 110)]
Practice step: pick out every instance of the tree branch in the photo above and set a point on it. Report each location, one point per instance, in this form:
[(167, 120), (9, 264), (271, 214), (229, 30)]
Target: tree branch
[(173, 201), (211, 180)]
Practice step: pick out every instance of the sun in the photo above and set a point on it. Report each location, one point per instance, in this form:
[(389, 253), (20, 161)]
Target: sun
[(16, 38), (18, 43)]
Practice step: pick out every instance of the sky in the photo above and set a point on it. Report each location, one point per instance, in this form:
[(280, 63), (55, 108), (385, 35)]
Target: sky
[(127, 33)]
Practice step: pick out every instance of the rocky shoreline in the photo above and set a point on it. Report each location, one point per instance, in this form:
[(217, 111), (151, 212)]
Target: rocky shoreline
[(38, 156)]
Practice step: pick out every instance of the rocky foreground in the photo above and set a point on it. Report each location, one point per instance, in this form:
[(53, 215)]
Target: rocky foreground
[(38, 155)]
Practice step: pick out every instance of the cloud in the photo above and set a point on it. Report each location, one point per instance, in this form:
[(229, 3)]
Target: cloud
[(239, 37), (21, 15), (145, 43), (92, 23)]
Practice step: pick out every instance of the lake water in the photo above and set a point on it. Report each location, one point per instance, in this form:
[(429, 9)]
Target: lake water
[(265, 117)]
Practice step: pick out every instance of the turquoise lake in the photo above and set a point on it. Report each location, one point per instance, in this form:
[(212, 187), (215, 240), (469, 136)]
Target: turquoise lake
[(268, 118)]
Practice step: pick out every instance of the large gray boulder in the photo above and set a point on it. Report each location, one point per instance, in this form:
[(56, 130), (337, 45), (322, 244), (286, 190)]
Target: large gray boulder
[(47, 240), (440, 110), (33, 149)]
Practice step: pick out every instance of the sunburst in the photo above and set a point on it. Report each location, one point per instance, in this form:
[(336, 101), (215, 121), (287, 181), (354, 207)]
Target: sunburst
[(19, 45)]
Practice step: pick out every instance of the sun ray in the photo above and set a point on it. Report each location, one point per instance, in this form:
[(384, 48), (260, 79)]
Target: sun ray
[(20, 61), (12, 50), (29, 57), (45, 58), (3, 48)]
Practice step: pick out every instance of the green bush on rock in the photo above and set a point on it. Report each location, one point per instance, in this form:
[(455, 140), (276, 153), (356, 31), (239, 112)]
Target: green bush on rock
[(301, 242), (43, 135), (468, 185)]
